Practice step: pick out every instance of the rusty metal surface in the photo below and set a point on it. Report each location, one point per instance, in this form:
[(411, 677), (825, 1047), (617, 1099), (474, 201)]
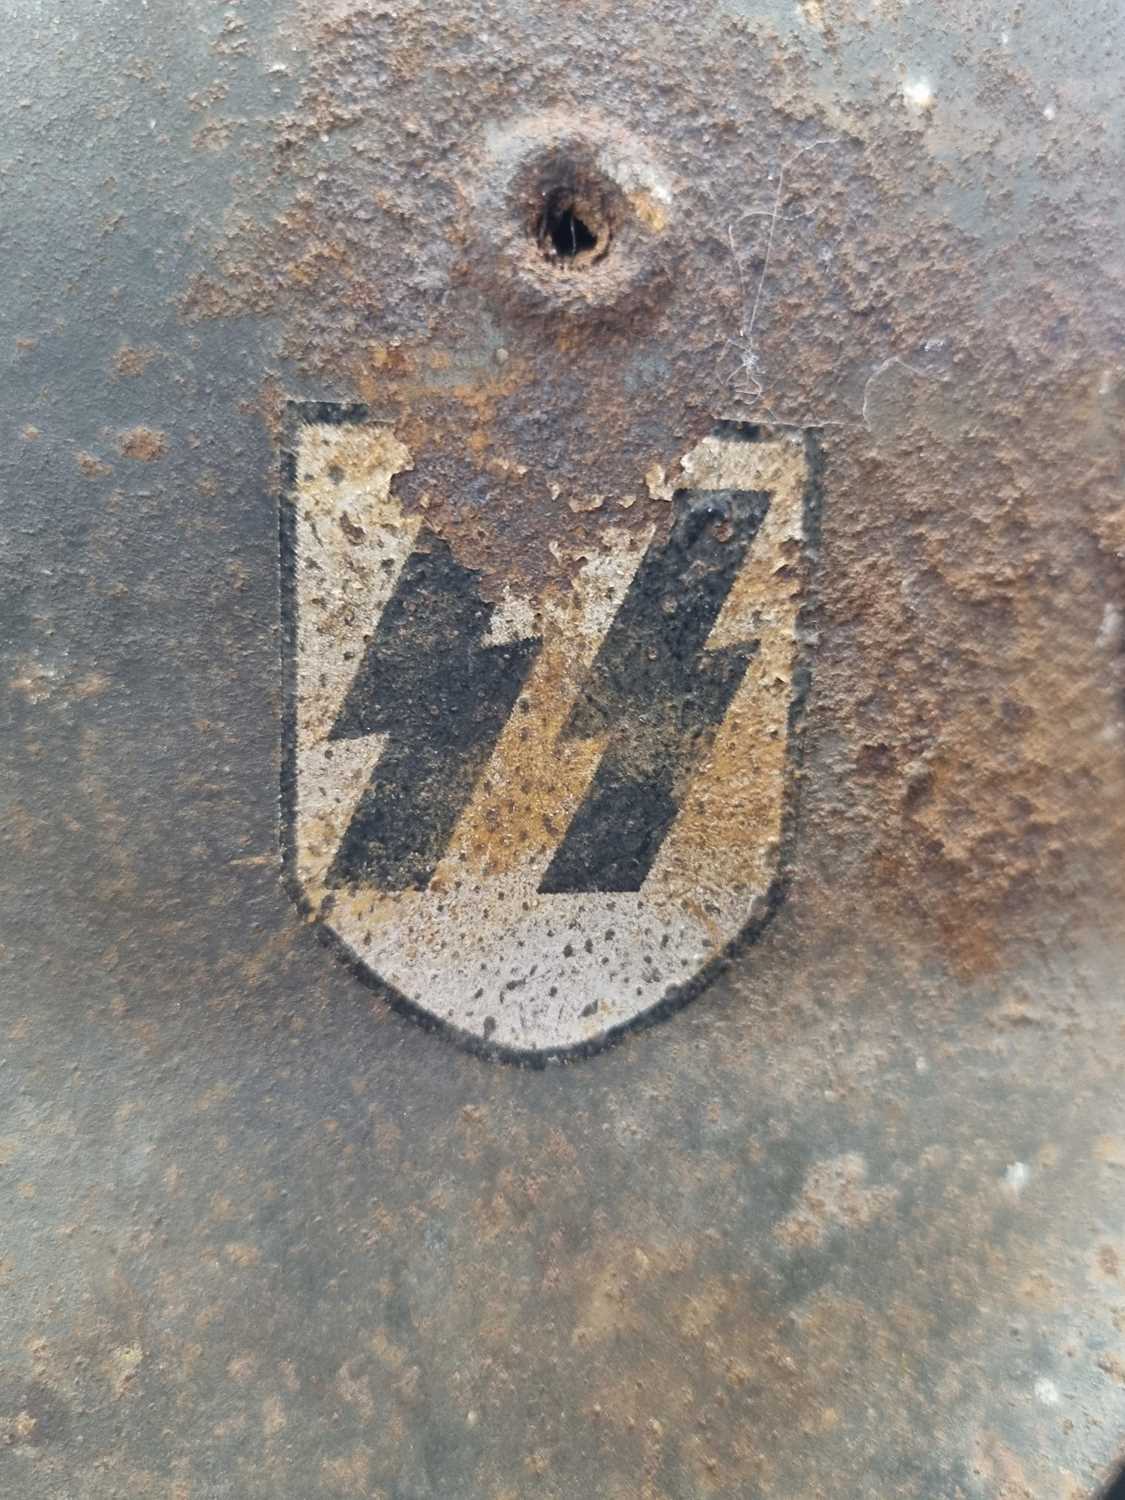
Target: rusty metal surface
[(851, 1225)]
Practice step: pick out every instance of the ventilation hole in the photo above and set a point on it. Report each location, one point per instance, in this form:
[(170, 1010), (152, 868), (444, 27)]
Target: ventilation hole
[(569, 233), (1116, 1490)]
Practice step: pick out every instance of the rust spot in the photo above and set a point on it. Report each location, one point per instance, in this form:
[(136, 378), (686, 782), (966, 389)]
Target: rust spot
[(145, 444), (129, 362), (92, 467), (835, 1195)]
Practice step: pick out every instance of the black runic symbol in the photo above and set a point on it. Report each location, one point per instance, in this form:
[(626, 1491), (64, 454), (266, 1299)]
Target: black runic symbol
[(657, 693), (442, 698)]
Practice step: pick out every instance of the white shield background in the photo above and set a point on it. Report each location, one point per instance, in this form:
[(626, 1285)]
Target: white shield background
[(480, 949)]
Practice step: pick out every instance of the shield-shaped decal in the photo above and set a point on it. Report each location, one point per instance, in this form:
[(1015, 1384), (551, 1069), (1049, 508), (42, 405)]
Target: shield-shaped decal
[(535, 820)]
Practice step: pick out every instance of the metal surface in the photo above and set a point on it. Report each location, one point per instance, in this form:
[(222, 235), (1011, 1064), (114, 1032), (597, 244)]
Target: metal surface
[(853, 1223)]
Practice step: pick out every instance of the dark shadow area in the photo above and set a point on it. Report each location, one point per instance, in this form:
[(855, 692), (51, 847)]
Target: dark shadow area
[(563, 232)]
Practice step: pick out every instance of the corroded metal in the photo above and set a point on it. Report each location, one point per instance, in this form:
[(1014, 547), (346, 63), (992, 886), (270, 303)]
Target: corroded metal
[(853, 1224)]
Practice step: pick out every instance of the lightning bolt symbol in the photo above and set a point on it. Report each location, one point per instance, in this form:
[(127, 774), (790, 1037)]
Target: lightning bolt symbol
[(656, 694), (441, 697)]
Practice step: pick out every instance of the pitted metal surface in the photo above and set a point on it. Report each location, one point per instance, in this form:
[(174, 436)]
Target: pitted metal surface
[(852, 1224)]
